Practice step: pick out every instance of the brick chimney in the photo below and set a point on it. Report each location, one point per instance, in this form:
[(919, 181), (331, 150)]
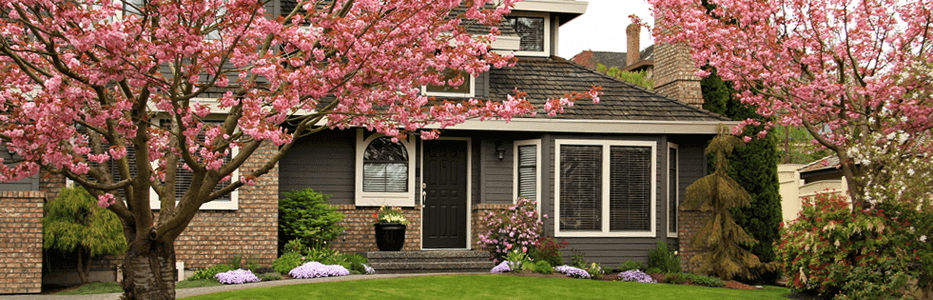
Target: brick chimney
[(632, 36), (673, 74)]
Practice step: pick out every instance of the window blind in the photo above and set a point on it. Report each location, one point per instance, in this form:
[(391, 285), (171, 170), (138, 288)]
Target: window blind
[(385, 167), (528, 172), (580, 187), (630, 188)]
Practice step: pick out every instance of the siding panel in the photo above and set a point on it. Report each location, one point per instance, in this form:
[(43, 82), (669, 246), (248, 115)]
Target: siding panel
[(323, 162)]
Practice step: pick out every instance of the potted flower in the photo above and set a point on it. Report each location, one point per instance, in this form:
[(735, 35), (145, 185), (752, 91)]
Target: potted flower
[(390, 228)]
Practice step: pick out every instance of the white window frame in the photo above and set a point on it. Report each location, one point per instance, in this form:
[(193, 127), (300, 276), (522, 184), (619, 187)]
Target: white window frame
[(234, 202), (672, 232), (605, 232), (537, 144), (403, 199), (471, 94), (547, 34)]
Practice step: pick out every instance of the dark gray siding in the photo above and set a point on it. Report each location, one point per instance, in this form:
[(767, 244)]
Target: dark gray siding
[(692, 162), (324, 162), (30, 183)]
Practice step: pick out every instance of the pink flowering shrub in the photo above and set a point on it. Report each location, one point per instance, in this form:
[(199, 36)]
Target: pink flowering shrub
[(517, 228)]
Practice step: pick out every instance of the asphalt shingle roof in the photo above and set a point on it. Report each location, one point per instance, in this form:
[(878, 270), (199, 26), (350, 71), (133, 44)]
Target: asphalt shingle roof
[(552, 77)]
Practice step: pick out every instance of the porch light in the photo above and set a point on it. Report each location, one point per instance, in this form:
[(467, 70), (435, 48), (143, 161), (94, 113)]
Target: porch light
[(500, 151)]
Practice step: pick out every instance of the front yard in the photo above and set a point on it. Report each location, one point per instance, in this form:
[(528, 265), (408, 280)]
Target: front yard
[(494, 287)]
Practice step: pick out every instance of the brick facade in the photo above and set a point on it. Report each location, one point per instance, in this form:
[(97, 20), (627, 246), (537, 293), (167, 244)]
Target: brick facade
[(674, 74), (251, 230), (360, 235), (689, 222), (21, 242), (480, 211)]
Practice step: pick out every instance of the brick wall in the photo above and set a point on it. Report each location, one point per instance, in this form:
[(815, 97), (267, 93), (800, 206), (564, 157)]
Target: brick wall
[(480, 211), (250, 231), (688, 223), (360, 235), (21, 242)]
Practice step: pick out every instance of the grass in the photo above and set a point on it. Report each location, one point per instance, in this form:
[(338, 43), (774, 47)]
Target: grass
[(494, 287), (113, 287)]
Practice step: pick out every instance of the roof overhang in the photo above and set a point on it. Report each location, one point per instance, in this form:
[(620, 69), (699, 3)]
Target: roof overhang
[(567, 9), (594, 126)]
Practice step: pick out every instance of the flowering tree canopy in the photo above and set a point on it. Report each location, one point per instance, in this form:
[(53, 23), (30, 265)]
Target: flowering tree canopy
[(89, 84), (856, 73)]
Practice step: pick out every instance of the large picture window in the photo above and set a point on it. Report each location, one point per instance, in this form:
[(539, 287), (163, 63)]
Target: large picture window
[(605, 188), (385, 171)]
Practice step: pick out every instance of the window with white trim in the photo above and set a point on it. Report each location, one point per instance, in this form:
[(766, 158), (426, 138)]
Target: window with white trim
[(385, 171), (527, 170), (673, 189), (466, 88), (605, 188), (534, 31)]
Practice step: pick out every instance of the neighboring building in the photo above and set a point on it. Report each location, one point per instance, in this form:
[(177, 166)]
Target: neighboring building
[(609, 176), (632, 60), (802, 181)]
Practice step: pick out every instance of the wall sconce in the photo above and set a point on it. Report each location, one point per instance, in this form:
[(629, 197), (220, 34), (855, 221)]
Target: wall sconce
[(500, 151)]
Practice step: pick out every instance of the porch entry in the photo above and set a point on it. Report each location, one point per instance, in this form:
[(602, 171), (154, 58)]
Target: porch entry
[(445, 187)]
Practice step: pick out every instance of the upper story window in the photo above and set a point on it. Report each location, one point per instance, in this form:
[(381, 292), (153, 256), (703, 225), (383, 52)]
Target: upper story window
[(465, 89), (533, 29)]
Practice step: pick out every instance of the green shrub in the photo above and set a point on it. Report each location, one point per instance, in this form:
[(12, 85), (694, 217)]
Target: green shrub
[(305, 215), (664, 259), (653, 271), (705, 280), (631, 265), (674, 278), (271, 276), (578, 260), (595, 270), (548, 249), (542, 267), (208, 273), (322, 255), (287, 262), (294, 245), (75, 223)]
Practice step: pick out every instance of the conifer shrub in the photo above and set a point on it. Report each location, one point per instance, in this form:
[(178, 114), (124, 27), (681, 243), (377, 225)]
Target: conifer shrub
[(306, 216)]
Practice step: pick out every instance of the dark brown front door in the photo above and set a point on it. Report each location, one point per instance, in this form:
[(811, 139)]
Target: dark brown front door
[(445, 179)]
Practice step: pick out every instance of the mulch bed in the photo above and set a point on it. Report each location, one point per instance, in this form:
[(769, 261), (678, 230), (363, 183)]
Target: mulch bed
[(731, 284)]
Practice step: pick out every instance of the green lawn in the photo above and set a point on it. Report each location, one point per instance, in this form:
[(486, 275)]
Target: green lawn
[(113, 287), (494, 287)]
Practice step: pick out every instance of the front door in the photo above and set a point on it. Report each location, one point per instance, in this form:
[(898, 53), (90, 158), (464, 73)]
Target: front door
[(445, 187)]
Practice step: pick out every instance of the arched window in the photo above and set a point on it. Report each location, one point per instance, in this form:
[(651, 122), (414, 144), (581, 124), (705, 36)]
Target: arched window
[(385, 166)]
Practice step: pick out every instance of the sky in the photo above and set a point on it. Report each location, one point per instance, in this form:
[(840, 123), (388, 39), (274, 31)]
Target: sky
[(602, 27)]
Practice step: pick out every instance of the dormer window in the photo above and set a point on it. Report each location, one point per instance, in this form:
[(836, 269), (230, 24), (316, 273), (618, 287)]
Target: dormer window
[(532, 28), (465, 89)]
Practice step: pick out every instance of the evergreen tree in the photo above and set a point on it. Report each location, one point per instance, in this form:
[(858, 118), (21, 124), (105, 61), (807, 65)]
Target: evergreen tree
[(719, 194), (754, 167)]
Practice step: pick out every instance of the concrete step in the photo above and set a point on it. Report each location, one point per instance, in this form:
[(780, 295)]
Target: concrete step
[(429, 261)]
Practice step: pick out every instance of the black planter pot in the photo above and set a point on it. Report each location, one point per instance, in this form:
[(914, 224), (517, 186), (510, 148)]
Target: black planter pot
[(390, 236)]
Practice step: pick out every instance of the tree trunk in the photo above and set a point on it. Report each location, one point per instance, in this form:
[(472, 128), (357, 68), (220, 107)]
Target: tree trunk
[(149, 270), (83, 272)]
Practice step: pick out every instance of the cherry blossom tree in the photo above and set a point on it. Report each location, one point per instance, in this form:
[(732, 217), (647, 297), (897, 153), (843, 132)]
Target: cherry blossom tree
[(88, 83), (854, 73)]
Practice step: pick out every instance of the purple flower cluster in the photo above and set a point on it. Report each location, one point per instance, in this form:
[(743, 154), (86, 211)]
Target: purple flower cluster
[(369, 270), (502, 267), (315, 269), (517, 228), (572, 271), (236, 277), (636, 276)]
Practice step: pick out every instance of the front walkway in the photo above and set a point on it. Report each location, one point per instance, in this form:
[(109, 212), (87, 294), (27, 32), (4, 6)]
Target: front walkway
[(182, 293)]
